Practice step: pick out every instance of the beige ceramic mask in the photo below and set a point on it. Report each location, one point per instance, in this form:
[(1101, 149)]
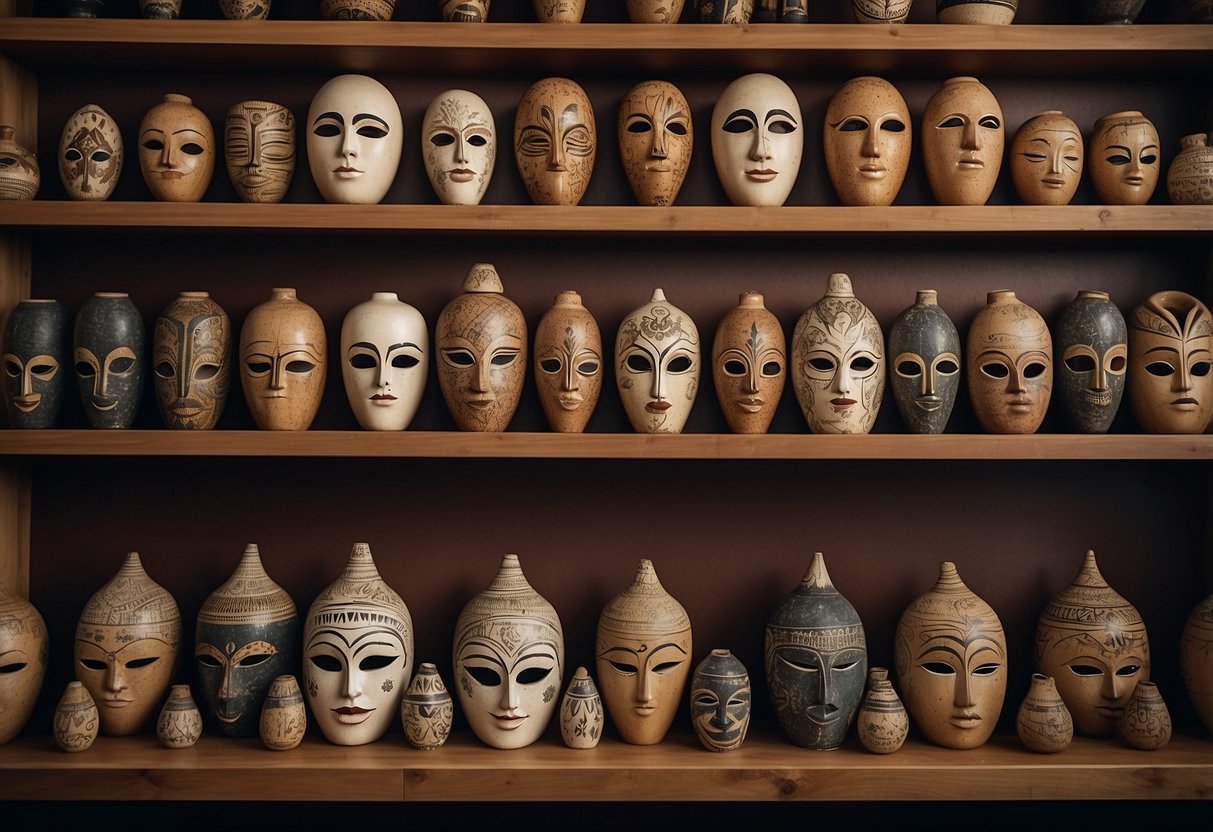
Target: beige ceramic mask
[(1170, 351), (555, 141), (867, 139), (176, 150), (23, 659), (962, 142), (354, 139), (90, 154), (259, 149), (757, 140), (459, 146), (655, 141), (1046, 159), (1010, 369), (1124, 158), (384, 361), (657, 366), (283, 362)]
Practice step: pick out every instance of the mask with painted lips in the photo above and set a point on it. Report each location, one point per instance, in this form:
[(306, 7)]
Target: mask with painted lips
[(355, 136), (757, 140), (657, 366), (459, 146)]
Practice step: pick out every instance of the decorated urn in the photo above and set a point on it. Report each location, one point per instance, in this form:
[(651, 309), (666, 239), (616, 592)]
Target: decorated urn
[(997, 12), (962, 142), (1146, 723), (749, 365), (464, 11), (19, 173), (283, 715), (259, 150), (568, 363), (720, 701), (757, 140), (1046, 159), (656, 138), (559, 11), (35, 354), (283, 362), (385, 358), (1190, 175), (90, 154), (1043, 723), (657, 366), (555, 141), (176, 150), (654, 11), (24, 649), (1123, 158), (357, 9), (111, 357), (459, 146), (180, 722), (191, 361), (426, 709), (1196, 659), (881, 11), (882, 724), (1092, 356), (355, 136), (245, 9), (76, 721), (1170, 346), (581, 712), (1009, 365), (924, 364), (725, 11), (866, 138)]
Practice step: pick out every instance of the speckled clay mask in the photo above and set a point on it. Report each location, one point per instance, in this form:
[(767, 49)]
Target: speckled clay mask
[(720, 709), (1170, 343), (459, 146), (749, 364), (657, 366), (385, 359), (90, 154), (867, 139), (109, 360), (925, 365), (962, 672), (757, 140), (354, 139), (176, 150), (568, 361), (655, 141), (1014, 372), (1124, 158), (555, 141), (126, 676), (963, 139), (1046, 159), (646, 673), (259, 148), (283, 362), (1096, 672)]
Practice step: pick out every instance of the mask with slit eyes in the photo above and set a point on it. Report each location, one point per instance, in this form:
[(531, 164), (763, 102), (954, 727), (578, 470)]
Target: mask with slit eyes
[(90, 154), (459, 146), (23, 656), (176, 150), (283, 362), (34, 353), (962, 142), (656, 138), (354, 139), (1124, 158), (757, 140), (1092, 356), (924, 364), (657, 366), (720, 701), (555, 141), (191, 361), (1170, 350), (385, 359), (1009, 365), (1046, 159), (110, 358), (867, 140), (749, 365)]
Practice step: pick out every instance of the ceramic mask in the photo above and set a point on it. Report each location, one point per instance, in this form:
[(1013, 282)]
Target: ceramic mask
[(19, 172), (757, 140), (110, 356), (90, 154), (1092, 352), (720, 701), (1046, 159), (838, 362), (1124, 158), (657, 366), (24, 650), (191, 361), (385, 354), (1011, 372), (259, 148), (459, 146), (176, 150), (355, 135), (749, 365), (924, 364), (568, 363), (555, 141), (283, 362), (656, 138), (1170, 350), (962, 142), (34, 354), (867, 139)]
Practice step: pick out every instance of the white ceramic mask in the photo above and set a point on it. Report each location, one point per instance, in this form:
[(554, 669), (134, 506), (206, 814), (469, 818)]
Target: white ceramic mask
[(459, 146), (90, 154), (384, 361), (757, 140), (657, 366), (354, 139)]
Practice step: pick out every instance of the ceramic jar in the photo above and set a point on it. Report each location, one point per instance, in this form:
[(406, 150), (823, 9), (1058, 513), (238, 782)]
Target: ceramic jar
[(110, 356), (749, 365), (35, 354), (160, 9), (357, 9), (245, 9), (656, 139), (559, 11), (657, 366), (1199, 11), (1190, 175), (176, 150), (283, 362), (924, 364), (882, 724), (866, 137), (465, 11), (426, 709), (1123, 158), (581, 712), (881, 11), (354, 140), (480, 339), (1170, 340), (1094, 644), (1043, 723), (654, 11), (180, 722), (792, 11), (816, 657), (259, 150), (976, 11), (128, 646), (757, 140), (725, 11), (555, 141), (568, 363), (283, 719), (459, 146), (962, 142), (76, 720), (1009, 365), (951, 657), (1196, 659), (246, 636), (191, 361), (1092, 356), (1046, 159), (385, 358), (1112, 11), (1147, 721), (643, 650), (720, 701), (90, 154), (357, 653), (509, 660), (838, 362), (24, 649), (19, 173)]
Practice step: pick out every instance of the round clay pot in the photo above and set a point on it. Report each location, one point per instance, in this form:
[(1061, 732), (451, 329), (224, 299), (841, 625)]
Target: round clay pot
[(866, 137), (76, 719), (724, 11), (19, 173), (355, 136), (1009, 365), (24, 648), (385, 358), (720, 701), (90, 154), (1112, 11), (757, 163), (657, 366), (459, 146), (924, 364), (160, 9), (976, 11), (1170, 386), (1092, 356), (749, 365), (176, 150), (464, 11), (555, 153), (110, 356), (357, 9), (35, 356), (283, 715), (259, 150), (656, 136), (962, 142), (1042, 723), (581, 712), (559, 11), (1190, 176), (1046, 159), (426, 709), (283, 362), (1196, 659), (180, 721), (568, 363), (245, 9), (191, 361), (1123, 157), (1147, 721), (881, 11), (882, 724), (654, 11)]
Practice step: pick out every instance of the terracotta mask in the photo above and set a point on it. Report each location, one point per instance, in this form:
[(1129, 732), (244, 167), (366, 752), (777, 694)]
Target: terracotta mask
[(720, 701), (1124, 158), (176, 150), (568, 363), (838, 362), (1046, 159), (259, 148), (191, 361), (459, 146), (283, 362), (749, 365), (19, 172), (1170, 350), (90, 154), (1092, 356), (924, 364), (555, 141), (24, 650), (35, 352), (110, 357), (757, 140), (354, 140), (656, 138), (657, 366), (385, 354), (867, 139), (962, 142), (1009, 365)]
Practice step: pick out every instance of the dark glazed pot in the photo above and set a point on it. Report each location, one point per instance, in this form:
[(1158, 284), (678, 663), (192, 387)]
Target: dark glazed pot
[(924, 364), (1092, 355), (110, 357), (35, 356)]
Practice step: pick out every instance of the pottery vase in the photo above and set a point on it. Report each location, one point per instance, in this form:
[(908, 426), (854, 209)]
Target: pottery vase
[(464, 11), (357, 9), (283, 362), (76, 721), (1147, 721), (354, 119), (1046, 159), (654, 11), (1009, 365), (1112, 11), (35, 354), (924, 364), (793, 11), (191, 361), (459, 146), (656, 137), (91, 154), (480, 340), (426, 709), (180, 722), (954, 697), (245, 9), (881, 11), (568, 363), (581, 712), (720, 701), (866, 140), (882, 724), (385, 358), (555, 141), (1043, 723), (657, 366), (749, 365), (1094, 645), (110, 359), (734, 135), (176, 150), (999, 12), (24, 649), (508, 660), (1199, 11), (1190, 176), (1170, 338), (283, 720), (160, 9), (259, 150), (1092, 357), (1123, 158), (963, 135), (559, 11), (19, 173), (1196, 659), (724, 11)]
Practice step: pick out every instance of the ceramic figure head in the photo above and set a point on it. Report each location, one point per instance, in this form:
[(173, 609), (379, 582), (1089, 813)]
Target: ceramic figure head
[(656, 137), (459, 146), (110, 356), (19, 173), (128, 645), (24, 649), (1124, 158), (35, 354), (867, 139), (757, 140), (509, 660), (1092, 356), (720, 701), (385, 354), (924, 364), (568, 363), (176, 150), (259, 149), (657, 366), (355, 136), (1009, 365), (357, 653), (749, 365), (1170, 350), (838, 362), (90, 154), (1046, 159), (283, 362), (962, 142), (555, 141), (191, 361)]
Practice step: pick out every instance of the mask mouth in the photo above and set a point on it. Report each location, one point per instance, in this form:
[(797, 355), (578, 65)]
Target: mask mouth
[(645, 710), (169, 174), (352, 715), (27, 403), (1019, 404), (842, 404), (480, 402), (461, 175), (571, 400), (658, 406), (969, 162), (382, 399), (345, 172), (965, 720), (658, 167), (750, 404), (510, 721), (103, 402), (1099, 398), (115, 702), (929, 403), (255, 181), (761, 174), (1053, 182), (1134, 181), (1112, 711), (871, 171), (1185, 403), (186, 408)]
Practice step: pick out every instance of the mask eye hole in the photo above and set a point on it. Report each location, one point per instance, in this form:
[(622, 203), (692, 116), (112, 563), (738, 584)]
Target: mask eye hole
[(73, 155), (330, 664), (206, 371), (192, 149), (781, 127), (953, 121), (100, 156), (624, 668), (894, 125), (153, 144), (821, 365), (640, 125), (459, 358), (738, 125), (1085, 670), (1200, 369), (404, 362), (909, 369), (83, 369), (361, 361), (300, 367), (371, 663), (995, 370), (485, 676), (1081, 363), (371, 131), (678, 128), (1034, 370), (1118, 159), (1148, 158), (733, 367), (121, 365), (258, 368), (166, 370), (862, 363), (706, 700), (442, 139), (665, 667), (939, 668), (1128, 670), (1160, 368), (13, 370), (93, 664), (477, 141), (13, 668), (1117, 364), (324, 131), (947, 368), (503, 359), (533, 675), (772, 369), (986, 669), (254, 660), (209, 661), (639, 364), (989, 122), (681, 364), (853, 125), (550, 365), (587, 368), (135, 664)]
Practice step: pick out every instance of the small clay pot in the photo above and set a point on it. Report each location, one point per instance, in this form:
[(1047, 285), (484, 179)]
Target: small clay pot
[(245, 9), (1043, 723), (882, 724), (980, 12), (464, 11), (654, 11), (426, 709), (77, 722), (581, 712), (1190, 176), (160, 9), (559, 11), (881, 11), (283, 715), (1147, 721), (180, 722), (19, 173), (357, 9)]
